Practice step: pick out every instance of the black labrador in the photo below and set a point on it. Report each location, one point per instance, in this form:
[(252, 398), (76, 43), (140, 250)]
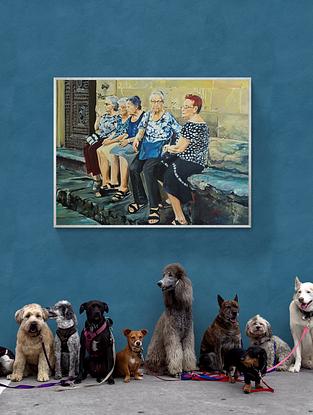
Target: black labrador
[(96, 343)]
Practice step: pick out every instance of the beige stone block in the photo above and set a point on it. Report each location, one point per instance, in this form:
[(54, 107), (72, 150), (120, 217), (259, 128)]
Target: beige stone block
[(231, 83), (105, 87), (244, 101), (226, 100), (233, 126)]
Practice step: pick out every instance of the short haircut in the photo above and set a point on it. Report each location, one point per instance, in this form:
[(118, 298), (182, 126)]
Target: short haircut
[(122, 101), (114, 101), (197, 101), (135, 100), (158, 93)]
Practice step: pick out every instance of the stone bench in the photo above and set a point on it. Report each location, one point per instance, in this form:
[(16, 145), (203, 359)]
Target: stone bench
[(221, 191)]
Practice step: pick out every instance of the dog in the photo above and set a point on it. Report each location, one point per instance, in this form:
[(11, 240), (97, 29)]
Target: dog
[(66, 341), (96, 343), (301, 313), (260, 334), (221, 336), (252, 363), (171, 349), (6, 361), (129, 360), (33, 337)]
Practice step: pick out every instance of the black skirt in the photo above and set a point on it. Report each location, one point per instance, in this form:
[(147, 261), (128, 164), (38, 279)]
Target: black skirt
[(175, 178)]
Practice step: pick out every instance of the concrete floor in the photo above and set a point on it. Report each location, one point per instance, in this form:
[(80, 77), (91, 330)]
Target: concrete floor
[(293, 395)]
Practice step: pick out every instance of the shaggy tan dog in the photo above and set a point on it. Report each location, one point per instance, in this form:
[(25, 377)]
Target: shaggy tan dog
[(29, 354)]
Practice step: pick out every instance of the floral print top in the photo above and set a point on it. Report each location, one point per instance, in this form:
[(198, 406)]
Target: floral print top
[(157, 134), (107, 125)]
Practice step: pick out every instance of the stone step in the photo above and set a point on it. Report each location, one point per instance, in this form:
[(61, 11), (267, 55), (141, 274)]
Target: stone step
[(74, 191)]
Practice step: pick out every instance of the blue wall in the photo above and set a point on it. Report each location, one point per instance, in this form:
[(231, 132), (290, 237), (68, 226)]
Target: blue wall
[(269, 41)]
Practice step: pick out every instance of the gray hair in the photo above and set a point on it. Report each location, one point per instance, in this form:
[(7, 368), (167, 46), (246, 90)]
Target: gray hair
[(159, 93), (122, 101), (114, 101)]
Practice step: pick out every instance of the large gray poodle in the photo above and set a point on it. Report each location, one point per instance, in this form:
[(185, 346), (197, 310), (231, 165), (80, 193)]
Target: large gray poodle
[(171, 349)]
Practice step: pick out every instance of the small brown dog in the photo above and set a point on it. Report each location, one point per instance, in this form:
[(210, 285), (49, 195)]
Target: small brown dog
[(129, 360), (221, 336)]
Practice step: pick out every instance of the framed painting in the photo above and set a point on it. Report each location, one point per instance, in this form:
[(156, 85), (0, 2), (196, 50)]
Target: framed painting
[(152, 152)]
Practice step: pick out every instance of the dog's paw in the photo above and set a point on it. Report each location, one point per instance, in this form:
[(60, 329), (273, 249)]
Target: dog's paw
[(307, 364), (58, 376), (247, 388), (294, 368), (15, 377), (111, 381), (127, 380), (78, 380), (42, 377)]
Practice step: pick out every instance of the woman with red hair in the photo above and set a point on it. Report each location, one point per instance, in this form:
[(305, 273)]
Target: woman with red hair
[(191, 150)]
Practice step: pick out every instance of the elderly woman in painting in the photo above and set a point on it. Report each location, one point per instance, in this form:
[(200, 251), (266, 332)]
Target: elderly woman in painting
[(104, 126), (191, 150), (124, 151), (155, 130), (109, 165)]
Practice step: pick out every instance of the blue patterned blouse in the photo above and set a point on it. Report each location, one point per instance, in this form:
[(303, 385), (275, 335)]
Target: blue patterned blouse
[(121, 126), (157, 134), (107, 125)]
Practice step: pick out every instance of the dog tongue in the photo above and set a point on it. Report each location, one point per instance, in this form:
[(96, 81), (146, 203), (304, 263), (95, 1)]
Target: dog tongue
[(305, 306)]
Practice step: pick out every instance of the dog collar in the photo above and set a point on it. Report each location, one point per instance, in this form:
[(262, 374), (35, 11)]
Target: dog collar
[(90, 335), (306, 315), (262, 341)]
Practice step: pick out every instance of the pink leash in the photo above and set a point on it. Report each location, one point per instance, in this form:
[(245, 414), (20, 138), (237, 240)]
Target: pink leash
[(304, 333)]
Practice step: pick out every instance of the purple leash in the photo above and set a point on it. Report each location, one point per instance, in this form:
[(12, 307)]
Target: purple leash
[(44, 385)]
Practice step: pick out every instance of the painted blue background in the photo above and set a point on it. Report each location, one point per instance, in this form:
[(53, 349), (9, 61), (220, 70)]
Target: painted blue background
[(269, 41)]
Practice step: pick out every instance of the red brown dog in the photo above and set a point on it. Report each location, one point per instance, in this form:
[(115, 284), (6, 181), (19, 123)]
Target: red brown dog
[(129, 360)]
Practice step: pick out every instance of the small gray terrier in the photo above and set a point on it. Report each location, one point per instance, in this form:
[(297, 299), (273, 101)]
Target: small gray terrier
[(260, 334), (66, 341)]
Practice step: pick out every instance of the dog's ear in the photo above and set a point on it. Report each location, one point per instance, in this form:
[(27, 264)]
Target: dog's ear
[(248, 325), (236, 298), (45, 313), (105, 307), (220, 300), (297, 283), (82, 308), (269, 330), (19, 315), (126, 332), (144, 331)]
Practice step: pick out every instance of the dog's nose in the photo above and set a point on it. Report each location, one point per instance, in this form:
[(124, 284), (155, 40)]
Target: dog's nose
[(301, 299), (138, 343), (160, 283)]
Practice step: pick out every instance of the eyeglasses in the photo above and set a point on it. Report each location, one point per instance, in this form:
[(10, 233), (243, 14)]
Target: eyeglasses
[(185, 107), (156, 102)]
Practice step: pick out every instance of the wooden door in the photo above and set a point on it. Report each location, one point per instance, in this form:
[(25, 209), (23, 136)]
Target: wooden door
[(80, 116)]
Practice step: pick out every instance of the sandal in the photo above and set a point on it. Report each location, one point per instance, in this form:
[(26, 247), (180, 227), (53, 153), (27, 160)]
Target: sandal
[(135, 207), (120, 195), (176, 222), (106, 189), (154, 216)]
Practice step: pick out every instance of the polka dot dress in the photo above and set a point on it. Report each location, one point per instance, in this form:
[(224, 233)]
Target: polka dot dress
[(198, 134)]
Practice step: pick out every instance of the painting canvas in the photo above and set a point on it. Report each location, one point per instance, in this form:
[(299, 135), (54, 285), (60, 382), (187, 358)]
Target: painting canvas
[(152, 152)]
